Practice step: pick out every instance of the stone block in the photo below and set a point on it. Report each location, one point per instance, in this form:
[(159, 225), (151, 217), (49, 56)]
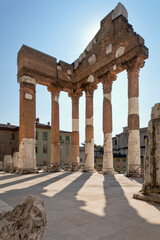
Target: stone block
[(119, 10), (120, 51), (92, 59), (108, 49), (15, 160), (90, 79), (8, 163), (26, 221)]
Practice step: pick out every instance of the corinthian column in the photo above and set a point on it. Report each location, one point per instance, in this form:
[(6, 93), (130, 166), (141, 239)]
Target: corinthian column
[(55, 145), (107, 123), (89, 142), (27, 157), (75, 128), (133, 68)]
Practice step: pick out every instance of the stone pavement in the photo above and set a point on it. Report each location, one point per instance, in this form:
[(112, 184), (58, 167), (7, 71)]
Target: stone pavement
[(86, 206)]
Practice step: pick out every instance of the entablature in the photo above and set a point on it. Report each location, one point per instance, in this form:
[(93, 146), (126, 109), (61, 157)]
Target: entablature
[(114, 45)]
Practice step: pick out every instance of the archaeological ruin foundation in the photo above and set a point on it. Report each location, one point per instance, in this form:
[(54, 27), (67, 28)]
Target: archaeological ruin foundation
[(115, 48)]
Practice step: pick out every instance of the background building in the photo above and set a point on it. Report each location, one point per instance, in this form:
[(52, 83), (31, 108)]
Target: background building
[(9, 142), (120, 142), (119, 162), (120, 150)]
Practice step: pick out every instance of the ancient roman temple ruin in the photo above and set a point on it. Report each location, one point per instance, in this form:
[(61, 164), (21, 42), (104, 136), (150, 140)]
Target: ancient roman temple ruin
[(115, 48)]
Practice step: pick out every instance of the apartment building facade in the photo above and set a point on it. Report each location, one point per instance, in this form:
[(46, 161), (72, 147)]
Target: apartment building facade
[(9, 142)]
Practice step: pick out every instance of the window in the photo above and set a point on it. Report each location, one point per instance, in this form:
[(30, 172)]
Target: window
[(124, 167), (44, 149), (13, 136), (145, 138), (124, 160), (118, 160), (44, 135), (115, 142), (117, 166), (36, 135), (67, 138), (61, 139), (36, 149)]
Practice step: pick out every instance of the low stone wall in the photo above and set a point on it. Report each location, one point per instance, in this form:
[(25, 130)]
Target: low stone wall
[(11, 162), (8, 163)]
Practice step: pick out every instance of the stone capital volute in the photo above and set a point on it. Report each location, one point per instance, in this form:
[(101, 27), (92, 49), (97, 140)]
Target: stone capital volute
[(75, 94), (55, 91), (107, 81), (133, 66), (89, 89)]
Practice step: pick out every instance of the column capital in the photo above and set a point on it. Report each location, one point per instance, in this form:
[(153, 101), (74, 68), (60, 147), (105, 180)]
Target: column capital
[(55, 90), (134, 65), (27, 79), (107, 81), (89, 89), (75, 94), (108, 77)]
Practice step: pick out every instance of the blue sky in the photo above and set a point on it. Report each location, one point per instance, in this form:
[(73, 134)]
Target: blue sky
[(63, 29)]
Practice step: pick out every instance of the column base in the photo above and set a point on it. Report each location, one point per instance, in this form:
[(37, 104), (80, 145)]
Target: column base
[(54, 168), (26, 171), (152, 197), (135, 170), (88, 169), (108, 171), (27, 158), (75, 167), (67, 167)]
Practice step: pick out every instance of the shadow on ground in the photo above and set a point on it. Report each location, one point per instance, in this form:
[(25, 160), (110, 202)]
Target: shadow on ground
[(88, 206)]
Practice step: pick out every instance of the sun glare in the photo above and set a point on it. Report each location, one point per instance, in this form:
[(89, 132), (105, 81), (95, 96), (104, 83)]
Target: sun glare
[(90, 32)]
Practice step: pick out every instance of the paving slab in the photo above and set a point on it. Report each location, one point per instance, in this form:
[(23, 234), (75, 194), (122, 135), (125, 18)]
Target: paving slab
[(85, 206)]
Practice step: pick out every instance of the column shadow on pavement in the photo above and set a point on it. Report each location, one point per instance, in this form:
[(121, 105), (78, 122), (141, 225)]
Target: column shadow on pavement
[(67, 218)]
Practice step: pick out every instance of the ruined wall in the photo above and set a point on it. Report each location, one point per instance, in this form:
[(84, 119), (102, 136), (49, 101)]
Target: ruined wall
[(152, 157), (114, 44)]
